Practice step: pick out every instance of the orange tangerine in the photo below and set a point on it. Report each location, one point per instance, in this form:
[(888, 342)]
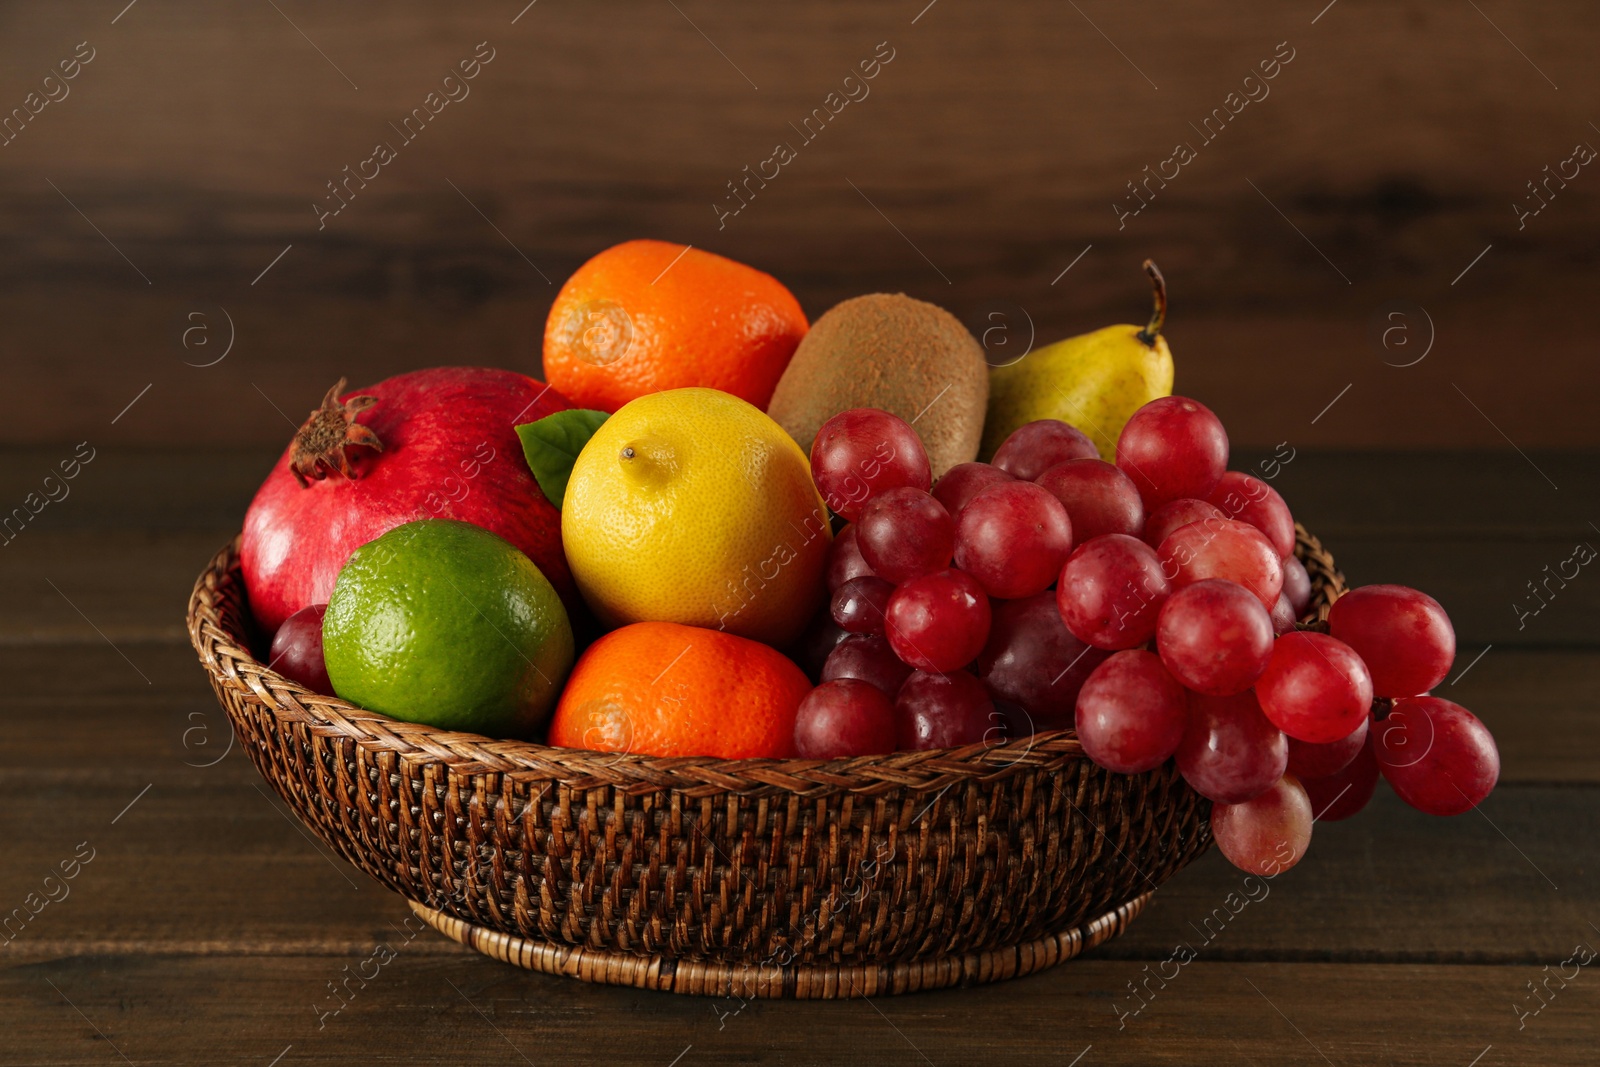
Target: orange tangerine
[(644, 316), (664, 689)]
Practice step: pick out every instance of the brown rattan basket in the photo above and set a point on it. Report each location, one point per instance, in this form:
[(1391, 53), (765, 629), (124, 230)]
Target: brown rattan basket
[(765, 878)]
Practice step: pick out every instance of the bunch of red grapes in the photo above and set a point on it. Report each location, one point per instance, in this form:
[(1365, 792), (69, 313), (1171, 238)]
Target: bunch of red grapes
[(1153, 605)]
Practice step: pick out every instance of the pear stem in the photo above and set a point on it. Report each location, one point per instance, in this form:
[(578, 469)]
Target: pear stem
[(1159, 316)]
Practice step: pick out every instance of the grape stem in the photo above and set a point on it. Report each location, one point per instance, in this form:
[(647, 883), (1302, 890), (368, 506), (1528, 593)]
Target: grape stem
[(1159, 316)]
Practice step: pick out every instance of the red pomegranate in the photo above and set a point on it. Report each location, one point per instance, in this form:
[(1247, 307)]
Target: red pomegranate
[(432, 444)]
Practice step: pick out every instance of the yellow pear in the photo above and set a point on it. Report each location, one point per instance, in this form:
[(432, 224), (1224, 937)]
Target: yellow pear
[(1095, 381)]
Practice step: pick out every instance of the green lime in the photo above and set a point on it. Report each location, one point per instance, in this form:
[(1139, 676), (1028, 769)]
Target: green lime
[(444, 623)]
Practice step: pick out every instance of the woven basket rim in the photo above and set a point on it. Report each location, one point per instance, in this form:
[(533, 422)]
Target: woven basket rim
[(215, 624)]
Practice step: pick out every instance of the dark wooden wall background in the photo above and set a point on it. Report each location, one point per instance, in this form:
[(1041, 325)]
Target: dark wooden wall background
[(996, 141)]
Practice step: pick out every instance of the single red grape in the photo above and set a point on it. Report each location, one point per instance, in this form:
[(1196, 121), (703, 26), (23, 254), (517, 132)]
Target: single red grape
[(942, 711), (1227, 549), (1033, 661), (1098, 497), (1297, 585), (859, 605), (1131, 713), (845, 560), (1307, 760), (844, 717), (1267, 834), (1283, 615), (1013, 538), (963, 482), (1347, 790), (297, 650), (1173, 447), (1403, 635), (1035, 447), (1214, 636), (862, 452), (1249, 499), (938, 622), (1437, 755), (905, 533), (1315, 688), (1230, 752), (1110, 592), (869, 658), (1160, 523)]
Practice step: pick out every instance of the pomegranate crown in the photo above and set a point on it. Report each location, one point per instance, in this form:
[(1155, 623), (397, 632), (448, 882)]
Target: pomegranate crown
[(321, 442)]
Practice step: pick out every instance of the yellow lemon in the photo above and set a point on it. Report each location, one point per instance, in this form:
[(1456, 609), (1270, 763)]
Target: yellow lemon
[(693, 506)]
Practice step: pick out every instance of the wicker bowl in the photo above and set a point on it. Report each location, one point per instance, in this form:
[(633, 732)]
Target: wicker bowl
[(764, 878)]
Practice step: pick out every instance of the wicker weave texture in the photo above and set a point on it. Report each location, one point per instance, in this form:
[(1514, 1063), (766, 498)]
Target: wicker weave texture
[(895, 872)]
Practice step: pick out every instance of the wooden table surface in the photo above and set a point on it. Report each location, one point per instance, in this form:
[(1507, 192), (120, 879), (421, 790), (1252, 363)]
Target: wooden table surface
[(202, 924), (174, 201)]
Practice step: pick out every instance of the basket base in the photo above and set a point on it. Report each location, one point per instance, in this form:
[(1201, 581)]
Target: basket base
[(803, 982)]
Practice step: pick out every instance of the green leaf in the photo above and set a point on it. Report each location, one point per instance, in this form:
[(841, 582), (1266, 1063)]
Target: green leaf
[(552, 444)]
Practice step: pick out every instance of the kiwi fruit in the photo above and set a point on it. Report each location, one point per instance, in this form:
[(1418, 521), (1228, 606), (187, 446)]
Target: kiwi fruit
[(892, 352)]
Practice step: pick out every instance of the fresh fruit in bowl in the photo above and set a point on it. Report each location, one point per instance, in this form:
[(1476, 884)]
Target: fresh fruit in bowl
[(845, 717), (1175, 448), (1402, 635), (646, 316), (442, 622), (1094, 381), (431, 444), (1259, 696), (868, 658), (1131, 713), (979, 609), (863, 452), (1269, 832), (1035, 447), (934, 710), (1032, 660), (664, 689), (1105, 572), (296, 651), (1437, 755), (896, 354), (693, 506)]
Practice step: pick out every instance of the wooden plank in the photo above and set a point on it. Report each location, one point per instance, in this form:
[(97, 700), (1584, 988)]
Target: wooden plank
[(587, 129), (1339, 494), (1494, 591), (133, 489), (1229, 352), (1386, 495), (1540, 705), (422, 1009), (1389, 886), (208, 814), (1474, 530), (132, 587), (91, 587)]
